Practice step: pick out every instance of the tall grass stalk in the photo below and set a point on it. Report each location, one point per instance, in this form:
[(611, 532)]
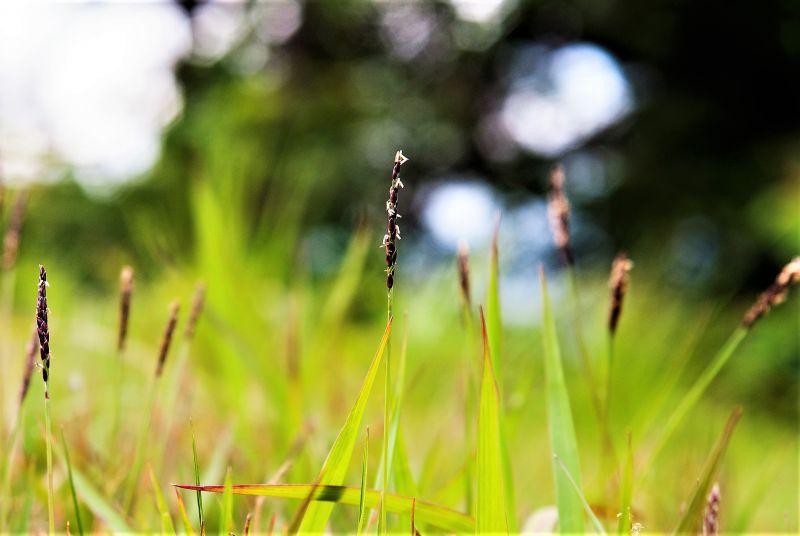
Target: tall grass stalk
[(125, 292), (390, 244), (43, 332), (469, 380)]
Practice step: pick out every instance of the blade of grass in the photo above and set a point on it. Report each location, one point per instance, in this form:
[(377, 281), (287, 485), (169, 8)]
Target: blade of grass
[(494, 331), (71, 483), (586, 507), (692, 396), (690, 521), (197, 477), (226, 519), (166, 520), (362, 507), (335, 467), (491, 506), (426, 512), (559, 417), (294, 525), (626, 492), (95, 501), (187, 524)]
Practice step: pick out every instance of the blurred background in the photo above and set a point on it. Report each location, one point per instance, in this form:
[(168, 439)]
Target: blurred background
[(247, 141)]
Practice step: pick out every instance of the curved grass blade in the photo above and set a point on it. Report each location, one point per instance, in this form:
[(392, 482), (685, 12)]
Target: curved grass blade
[(335, 467), (691, 518), (559, 417), (426, 512), (491, 505), (71, 484), (586, 507), (166, 520), (362, 507), (691, 398), (197, 477), (95, 501)]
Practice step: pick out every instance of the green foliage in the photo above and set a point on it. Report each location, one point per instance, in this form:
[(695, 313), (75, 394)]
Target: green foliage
[(562, 431)]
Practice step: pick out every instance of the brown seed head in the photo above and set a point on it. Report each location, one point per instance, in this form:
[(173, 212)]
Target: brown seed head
[(711, 516), (125, 291), (558, 211), (463, 274), (166, 340), (30, 364), (392, 229), (11, 238), (42, 328), (618, 283), (197, 307), (775, 294)]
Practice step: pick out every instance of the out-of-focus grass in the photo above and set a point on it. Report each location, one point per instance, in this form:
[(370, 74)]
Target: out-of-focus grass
[(278, 346)]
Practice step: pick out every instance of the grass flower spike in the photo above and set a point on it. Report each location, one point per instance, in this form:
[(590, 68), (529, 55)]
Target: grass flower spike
[(11, 238), (125, 291), (393, 230), (198, 301), (711, 516), (775, 294), (618, 283), (558, 211), (166, 340), (42, 329)]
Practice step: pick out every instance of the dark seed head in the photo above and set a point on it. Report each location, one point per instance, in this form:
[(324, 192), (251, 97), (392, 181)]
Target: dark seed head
[(775, 294), (42, 328)]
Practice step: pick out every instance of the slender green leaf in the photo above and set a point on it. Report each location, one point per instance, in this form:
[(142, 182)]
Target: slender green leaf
[(559, 416), (626, 492), (71, 484), (436, 515), (491, 507), (95, 501), (197, 477), (690, 522), (362, 506), (166, 520), (335, 467), (692, 396), (586, 507), (403, 477)]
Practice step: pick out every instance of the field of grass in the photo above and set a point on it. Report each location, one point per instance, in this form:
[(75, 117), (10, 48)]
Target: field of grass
[(492, 421)]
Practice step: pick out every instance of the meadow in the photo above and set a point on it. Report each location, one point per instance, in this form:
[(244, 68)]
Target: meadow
[(615, 408)]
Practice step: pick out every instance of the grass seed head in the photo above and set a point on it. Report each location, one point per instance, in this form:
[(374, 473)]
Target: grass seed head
[(618, 284), (11, 238), (558, 211), (711, 516), (463, 273), (392, 229), (166, 340), (198, 301), (125, 291), (30, 364), (42, 328), (775, 294)]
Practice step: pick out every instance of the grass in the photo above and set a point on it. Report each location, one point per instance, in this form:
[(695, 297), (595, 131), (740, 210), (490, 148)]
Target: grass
[(278, 347)]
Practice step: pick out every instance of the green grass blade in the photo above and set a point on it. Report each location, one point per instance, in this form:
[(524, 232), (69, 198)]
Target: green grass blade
[(187, 524), (166, 520), (494, 331), (403, 477), (692, 396), (197, 477), (71, 484), (362, 506), (226, 519), (626, 492), (691, 518), (586, 507), (95, 501), (436, 515), (491, 505), (335, 467), (559, 416)]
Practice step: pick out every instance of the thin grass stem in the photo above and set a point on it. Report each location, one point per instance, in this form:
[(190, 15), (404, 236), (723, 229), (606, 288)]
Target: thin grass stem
[(48, 445)]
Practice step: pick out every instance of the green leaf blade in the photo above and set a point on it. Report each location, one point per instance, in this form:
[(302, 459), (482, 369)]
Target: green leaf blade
[(335, 467), (562, 431)]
